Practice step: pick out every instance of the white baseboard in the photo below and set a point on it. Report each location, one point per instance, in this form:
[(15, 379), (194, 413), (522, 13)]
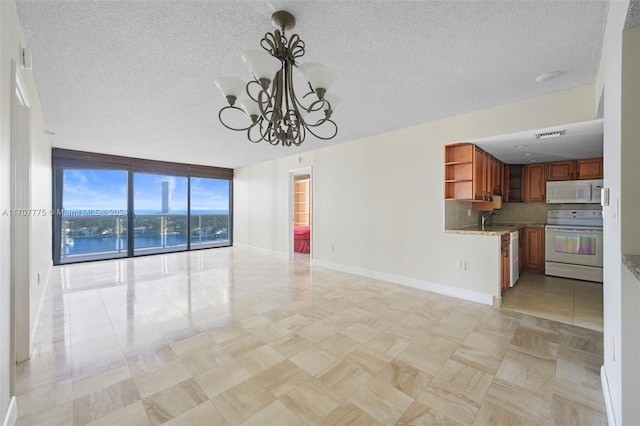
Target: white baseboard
[(11, 415), (36, 320), (460, 293), (608, 402), (278, 254)]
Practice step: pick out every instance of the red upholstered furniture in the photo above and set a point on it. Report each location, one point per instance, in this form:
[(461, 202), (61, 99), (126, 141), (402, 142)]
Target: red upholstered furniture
[(301, 239)]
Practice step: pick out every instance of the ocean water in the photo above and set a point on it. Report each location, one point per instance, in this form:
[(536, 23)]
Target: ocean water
[(87, 245)]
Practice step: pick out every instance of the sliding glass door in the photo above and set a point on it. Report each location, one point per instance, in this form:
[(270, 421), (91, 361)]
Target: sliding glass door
[(210, 220), (107, 206), (93, 219), (160, 213)]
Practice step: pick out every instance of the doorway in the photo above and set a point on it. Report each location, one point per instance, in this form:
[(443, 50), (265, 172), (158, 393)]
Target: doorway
[(300, 229)]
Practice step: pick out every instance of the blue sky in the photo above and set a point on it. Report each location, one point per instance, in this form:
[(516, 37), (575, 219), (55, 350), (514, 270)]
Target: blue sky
[(107, 189)]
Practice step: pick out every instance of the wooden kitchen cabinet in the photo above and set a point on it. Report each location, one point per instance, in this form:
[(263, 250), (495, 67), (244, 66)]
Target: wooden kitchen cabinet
[(480, 174), (535, 181), (534, 249), (470, 173), (561, 170), (521, 245), (590, 168), (497, 175), (505, 262), (512, 189), (458, 171)]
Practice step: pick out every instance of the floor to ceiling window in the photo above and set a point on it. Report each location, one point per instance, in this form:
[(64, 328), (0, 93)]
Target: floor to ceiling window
[(210, 219), (106, 206), (94, 214), (160, 221)]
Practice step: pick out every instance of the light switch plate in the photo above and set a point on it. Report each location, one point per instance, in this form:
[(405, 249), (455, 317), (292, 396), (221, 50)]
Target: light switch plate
[(604, 197)]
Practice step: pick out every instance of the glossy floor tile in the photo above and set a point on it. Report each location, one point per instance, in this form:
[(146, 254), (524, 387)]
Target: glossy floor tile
[(560, 299), (235, 337)]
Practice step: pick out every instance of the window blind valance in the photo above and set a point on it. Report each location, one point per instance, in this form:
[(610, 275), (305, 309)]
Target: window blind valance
[(70, 159)]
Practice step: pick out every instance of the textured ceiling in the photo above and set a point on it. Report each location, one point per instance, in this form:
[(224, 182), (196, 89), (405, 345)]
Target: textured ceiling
[(136, 78), (580, 140), (633, 15)]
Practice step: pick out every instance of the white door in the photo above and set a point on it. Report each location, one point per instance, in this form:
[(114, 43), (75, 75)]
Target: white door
[(20, 223)]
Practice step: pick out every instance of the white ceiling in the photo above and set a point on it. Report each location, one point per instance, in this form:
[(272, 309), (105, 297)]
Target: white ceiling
[(136, 78), (580, 140)]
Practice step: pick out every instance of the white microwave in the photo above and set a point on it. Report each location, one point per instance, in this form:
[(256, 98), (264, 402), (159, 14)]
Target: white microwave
[(574, 191)]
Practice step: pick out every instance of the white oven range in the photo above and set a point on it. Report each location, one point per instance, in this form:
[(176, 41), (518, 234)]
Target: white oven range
[(573, 244)]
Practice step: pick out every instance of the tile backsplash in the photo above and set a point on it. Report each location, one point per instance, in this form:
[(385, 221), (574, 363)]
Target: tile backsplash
[(456, 213), (535, 212)]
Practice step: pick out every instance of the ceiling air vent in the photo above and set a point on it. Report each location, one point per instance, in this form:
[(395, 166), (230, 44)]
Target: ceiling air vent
[(549, 134)]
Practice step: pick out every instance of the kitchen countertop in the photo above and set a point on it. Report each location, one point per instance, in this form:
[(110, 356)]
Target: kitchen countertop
[(632, 262), (493, 229)]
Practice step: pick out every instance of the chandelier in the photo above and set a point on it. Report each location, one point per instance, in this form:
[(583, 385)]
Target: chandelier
[(272, 111)]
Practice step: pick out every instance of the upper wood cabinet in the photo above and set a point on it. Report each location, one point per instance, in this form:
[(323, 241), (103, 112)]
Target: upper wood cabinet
[(512, 188), (590, 168), (535, 181), (480, 174), (561, 170), (470, 173), (459, 171)]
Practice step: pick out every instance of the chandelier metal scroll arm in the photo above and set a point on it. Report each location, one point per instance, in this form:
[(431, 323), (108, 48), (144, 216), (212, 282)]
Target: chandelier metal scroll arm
[(228, 107), (269, 43), (296, 47), (335, 131)]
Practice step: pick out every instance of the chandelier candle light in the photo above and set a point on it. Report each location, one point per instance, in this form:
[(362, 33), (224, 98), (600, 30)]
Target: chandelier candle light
[(275, 112)]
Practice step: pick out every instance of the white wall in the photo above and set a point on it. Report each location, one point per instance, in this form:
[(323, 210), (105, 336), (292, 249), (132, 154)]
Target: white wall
[(610, 79), (379, 201), (41, 187), (10, 42), (5, 203), (630, 225)]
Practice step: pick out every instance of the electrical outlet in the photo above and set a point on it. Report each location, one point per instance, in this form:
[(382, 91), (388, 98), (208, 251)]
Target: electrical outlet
[(468, 212), (462, 265)]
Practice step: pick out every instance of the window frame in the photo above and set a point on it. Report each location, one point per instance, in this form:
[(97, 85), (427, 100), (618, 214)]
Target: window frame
[(65, 159)]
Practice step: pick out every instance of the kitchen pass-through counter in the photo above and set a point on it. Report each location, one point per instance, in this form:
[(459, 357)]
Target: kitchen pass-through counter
[(494, 229)]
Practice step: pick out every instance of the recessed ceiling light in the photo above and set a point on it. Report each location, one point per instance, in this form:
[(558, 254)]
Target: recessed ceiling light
[(520, 146), (527, 154), (548, 76), (532, 161), (550, 134)]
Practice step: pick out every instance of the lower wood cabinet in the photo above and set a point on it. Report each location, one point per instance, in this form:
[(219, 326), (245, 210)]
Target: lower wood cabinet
[(506, 262), (534, 249), (520, 250)]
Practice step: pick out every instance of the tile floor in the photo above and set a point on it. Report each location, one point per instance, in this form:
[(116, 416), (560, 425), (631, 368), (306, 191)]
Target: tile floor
[(231, 336), (559, 299)]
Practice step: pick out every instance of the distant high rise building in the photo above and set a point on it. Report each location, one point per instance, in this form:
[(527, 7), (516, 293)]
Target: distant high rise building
[(166, 197)]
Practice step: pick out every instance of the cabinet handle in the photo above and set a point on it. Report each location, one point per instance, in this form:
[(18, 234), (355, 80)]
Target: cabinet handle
[(577, 174)]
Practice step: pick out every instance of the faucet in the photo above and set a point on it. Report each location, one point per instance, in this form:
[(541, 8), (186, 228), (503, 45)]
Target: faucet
[(485, 216)]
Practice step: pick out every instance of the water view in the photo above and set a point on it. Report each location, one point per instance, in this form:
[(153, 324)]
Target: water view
[(170, 213)]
